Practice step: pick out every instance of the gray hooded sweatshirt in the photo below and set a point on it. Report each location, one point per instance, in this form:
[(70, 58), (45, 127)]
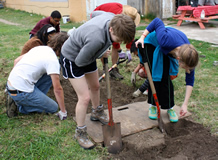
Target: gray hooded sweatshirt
[(89, 41)]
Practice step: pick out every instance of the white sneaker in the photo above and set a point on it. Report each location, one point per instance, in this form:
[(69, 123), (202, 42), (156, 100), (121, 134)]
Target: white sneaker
[(145, 92), (136, 93)]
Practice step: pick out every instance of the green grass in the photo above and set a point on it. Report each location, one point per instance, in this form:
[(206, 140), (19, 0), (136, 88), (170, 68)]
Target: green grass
[(149, 16), (39, 136), (35, 136), (140, 28)]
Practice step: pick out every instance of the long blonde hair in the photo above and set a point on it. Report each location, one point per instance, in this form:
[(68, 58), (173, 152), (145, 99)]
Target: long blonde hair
[(189, 55)]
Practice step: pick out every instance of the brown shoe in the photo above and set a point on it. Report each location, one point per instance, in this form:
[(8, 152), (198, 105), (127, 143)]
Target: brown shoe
[(11, 109), (114, 73), (82, 138), (99, 115)]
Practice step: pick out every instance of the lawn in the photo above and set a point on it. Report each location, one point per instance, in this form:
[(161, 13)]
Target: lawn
[(40, 136)]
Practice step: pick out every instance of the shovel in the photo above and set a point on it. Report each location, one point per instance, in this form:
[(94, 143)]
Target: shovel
[(111, 131), (145, 60), (109, 70)]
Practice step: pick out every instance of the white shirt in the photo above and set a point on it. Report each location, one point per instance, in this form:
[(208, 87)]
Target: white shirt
[(38, 61)]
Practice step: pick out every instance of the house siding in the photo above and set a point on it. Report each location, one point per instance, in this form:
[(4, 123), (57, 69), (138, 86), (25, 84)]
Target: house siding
[(78, 10)]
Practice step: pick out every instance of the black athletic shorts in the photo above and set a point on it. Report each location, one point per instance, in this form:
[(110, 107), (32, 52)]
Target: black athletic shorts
[(71, 70)]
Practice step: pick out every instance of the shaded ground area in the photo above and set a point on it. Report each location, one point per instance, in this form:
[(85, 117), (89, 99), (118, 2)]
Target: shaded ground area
[(184, 140)]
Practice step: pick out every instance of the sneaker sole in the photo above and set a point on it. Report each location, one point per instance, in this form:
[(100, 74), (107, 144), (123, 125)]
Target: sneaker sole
[(173, 121), (94, 119), (153, 118)]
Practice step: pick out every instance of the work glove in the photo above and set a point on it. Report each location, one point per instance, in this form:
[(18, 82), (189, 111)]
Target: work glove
[(133, 78), (128, 56), (62, 115), (122, 55)]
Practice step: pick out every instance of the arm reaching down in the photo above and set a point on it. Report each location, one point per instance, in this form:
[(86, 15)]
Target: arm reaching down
[(58, 91), (184, 106)]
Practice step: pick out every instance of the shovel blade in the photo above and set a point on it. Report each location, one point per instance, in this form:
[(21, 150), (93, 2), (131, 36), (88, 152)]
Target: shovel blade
[(112, 138), (161, 125)]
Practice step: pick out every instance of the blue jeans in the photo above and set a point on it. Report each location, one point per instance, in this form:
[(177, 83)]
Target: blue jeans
[(36, 101)]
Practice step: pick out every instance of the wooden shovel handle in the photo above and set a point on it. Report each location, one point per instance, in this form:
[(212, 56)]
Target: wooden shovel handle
[(152, 88), (109, 101)]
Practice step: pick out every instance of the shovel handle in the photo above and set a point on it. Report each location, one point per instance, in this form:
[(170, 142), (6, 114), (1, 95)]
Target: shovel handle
[(109, 70), (109, 101), (145, 60), (152, 88)]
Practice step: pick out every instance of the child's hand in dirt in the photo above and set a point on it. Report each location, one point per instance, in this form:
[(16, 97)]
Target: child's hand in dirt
[(183, 110)]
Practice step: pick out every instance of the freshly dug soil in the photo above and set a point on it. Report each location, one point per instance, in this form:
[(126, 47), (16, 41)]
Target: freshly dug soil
[(185, 140)]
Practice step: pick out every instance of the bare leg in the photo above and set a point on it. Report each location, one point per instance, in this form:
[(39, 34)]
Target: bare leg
[(81, 88), (94, 88), (114, 55)]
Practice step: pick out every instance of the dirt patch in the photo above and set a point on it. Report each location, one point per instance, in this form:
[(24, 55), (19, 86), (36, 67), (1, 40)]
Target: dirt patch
[(184, 140), (121, 95)]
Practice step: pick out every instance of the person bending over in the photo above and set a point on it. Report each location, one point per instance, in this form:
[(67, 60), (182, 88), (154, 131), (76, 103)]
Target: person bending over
[(168, 49), (78, 57), (118, 8), (28, 82), (140, 70)]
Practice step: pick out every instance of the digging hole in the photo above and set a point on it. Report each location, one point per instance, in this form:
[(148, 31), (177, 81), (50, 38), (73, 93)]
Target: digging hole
[(178, 129), (185, 140)]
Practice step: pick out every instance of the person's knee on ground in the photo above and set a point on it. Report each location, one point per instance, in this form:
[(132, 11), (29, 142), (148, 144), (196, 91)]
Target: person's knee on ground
[(54, 109)]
